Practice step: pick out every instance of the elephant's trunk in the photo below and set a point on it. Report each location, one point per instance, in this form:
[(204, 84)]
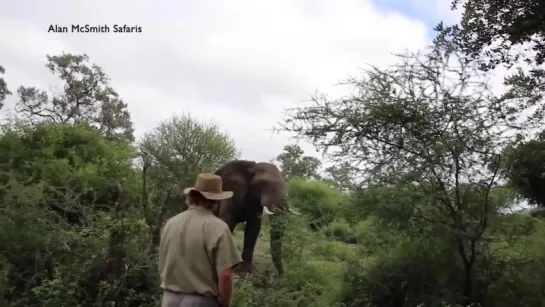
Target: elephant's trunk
[(275, 207), (277, 233)]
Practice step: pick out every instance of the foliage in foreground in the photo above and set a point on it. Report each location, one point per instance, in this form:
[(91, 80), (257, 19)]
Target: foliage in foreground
[(107, 256)]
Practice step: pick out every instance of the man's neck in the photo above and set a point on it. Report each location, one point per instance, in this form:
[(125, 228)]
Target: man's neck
[(200, 209)]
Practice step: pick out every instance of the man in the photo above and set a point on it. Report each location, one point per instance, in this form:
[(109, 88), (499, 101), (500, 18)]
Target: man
[(197, 252)]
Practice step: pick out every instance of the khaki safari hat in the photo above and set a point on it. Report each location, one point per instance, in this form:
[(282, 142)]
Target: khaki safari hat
[(210, 187)]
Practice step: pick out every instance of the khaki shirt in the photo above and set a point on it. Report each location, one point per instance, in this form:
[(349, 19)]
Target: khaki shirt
[(195, 246)]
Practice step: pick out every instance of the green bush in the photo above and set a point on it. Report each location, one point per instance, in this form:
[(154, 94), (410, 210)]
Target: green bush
[(373, 236), (243, 291), (317, 199), (406, 276), (340, 230), (304, 285), (56, 221), (518, 269), (334, 251)]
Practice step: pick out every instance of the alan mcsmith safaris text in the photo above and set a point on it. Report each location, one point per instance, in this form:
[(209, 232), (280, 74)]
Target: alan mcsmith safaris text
[(95, 29)]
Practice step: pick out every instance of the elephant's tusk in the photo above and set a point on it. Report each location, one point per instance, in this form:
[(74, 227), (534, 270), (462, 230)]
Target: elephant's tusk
[(267, 211), (293, 211)]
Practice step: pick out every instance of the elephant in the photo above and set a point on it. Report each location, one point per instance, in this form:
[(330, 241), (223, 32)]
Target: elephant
[(258, 189)]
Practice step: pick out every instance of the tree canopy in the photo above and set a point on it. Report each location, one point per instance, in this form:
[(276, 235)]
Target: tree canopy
[(182, 143), (295, 164), (510, 33), (490, 29), (86, 95), (524, 168), (4, 92)]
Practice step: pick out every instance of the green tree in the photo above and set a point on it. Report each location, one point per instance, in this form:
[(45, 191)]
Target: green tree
[(431, 123), (495, 27), (505, 32), (524, 167), (342, 176), (4, 92), (172, 155), (60, 225), (295, 164), (86, 96), (65, 157)]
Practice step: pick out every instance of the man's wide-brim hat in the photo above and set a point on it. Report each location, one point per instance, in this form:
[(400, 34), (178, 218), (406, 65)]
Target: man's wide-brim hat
[(210, 187)]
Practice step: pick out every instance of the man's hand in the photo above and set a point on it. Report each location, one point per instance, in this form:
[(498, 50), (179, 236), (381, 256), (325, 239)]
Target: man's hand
[(225, 286)]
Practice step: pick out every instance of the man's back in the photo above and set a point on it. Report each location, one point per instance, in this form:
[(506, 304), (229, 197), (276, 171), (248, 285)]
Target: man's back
[(187, 254)]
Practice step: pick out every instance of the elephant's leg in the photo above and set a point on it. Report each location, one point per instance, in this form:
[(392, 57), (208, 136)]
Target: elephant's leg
[(232, 225), (251, 233)]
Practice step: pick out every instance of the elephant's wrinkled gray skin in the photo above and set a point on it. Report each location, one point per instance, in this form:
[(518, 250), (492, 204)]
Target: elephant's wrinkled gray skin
[(258, 189)]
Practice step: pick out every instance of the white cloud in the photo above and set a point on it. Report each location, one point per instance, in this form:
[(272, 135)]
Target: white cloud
[(442, 9), (237, 62)]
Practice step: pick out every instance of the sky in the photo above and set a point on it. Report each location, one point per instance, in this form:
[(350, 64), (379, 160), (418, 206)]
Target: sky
[(238, 63)]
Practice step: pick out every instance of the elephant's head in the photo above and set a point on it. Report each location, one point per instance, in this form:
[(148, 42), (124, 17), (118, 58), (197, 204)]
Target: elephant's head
[(268, 186)]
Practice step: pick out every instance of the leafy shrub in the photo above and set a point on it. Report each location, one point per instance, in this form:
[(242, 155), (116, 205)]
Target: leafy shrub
[(334, 251), (317, 199), (293, 289), (340, 230), (407, 276), (518, 269), (242, 295)]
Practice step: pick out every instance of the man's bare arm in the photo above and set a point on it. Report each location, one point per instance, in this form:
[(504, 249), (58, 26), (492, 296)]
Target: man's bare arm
[(225, 287), (227, 257)]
